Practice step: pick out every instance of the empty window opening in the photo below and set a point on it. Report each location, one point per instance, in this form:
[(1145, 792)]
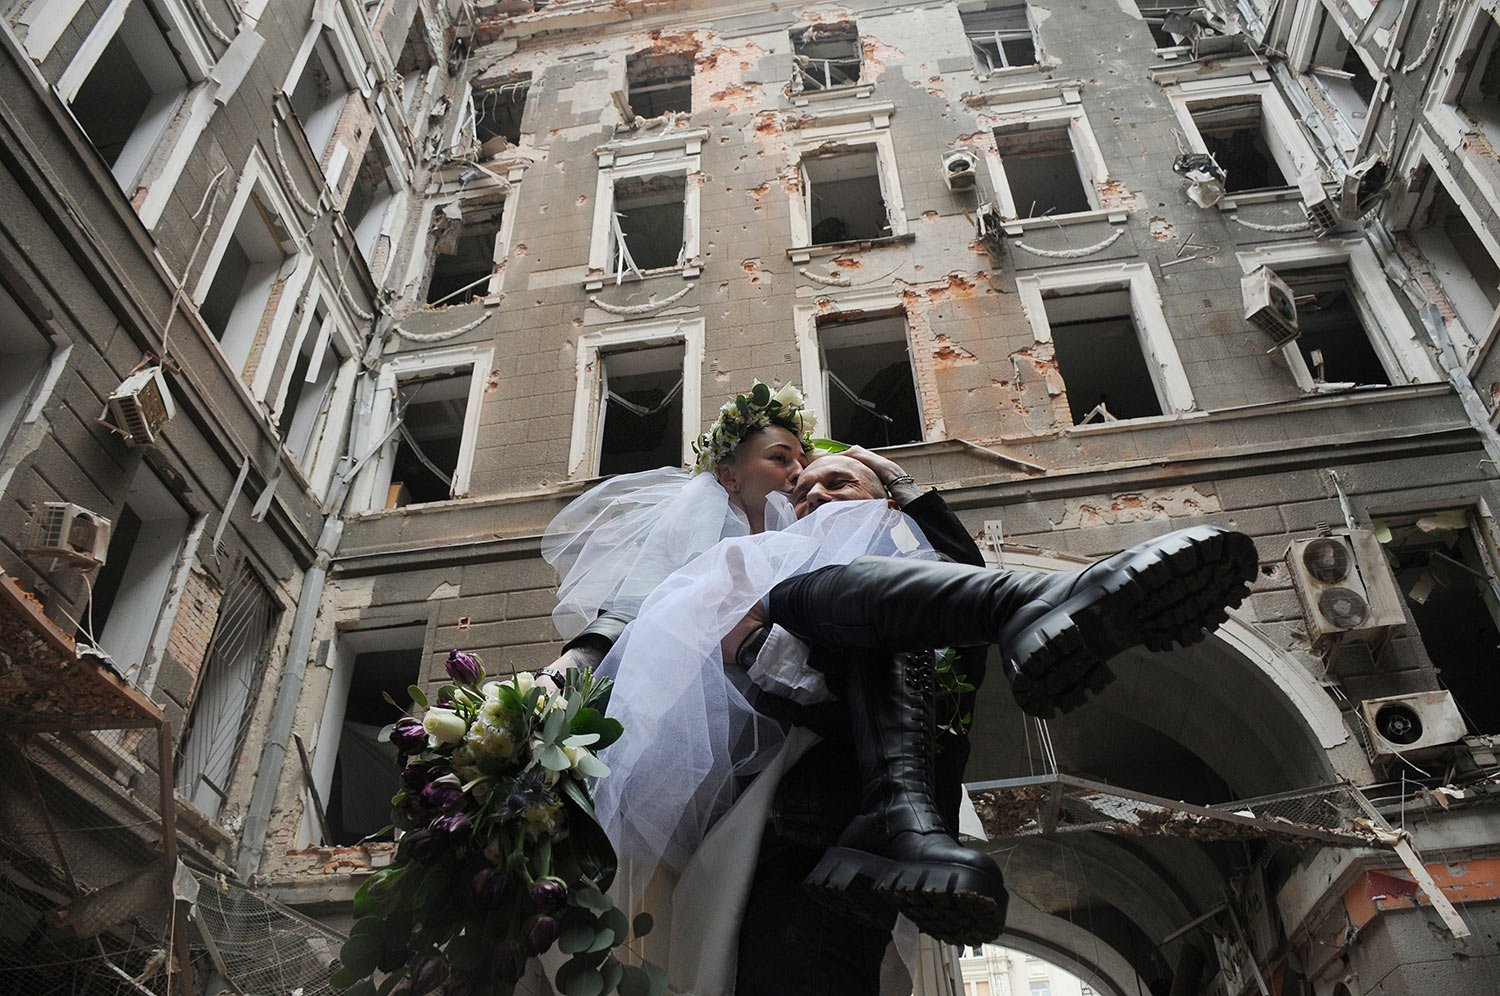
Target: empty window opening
[(1335, 342), (464, 272), (1042, 171), (414, 62), (369, 199), (26, 351), (641, 413), (826, 55), (1341, 73), (1479, 89), (1460, 260), (1442, 565), (845, 197), (1234, 132), (498, 111), (432, 409), (659, 83), (1000, 37), (1099, 356), (1161, 20), (358, 804), (228, 684), (310, 388), (648, 231), (236, 301), (147, 534), (869, 382), (318, 97), (131, 93)]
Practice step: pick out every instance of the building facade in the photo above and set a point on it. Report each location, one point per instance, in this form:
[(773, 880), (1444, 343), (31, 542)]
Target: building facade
[(317, 312)]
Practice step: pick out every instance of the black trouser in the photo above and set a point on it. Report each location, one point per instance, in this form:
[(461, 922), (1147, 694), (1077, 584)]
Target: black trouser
[(793, 946)]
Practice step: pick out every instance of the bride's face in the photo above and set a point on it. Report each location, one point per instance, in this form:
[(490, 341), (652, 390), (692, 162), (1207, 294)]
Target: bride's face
[(768, 460)]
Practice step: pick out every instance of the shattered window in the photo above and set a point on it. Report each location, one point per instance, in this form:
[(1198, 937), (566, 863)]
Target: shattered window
[(1166, 23), (465, 257), (1099, 356), (826, 55), (358, 803), (433, 408), (498, 110), (1335, 342), (1459, 258), (641, 408), (369, 199), (648, 232), (1341, 74), (845, 196), (1042, 170), (1000, 36), (659, 83), (1479, 89), (868, 381), (26, 351), (318, 97), (1234, 131), (236, 301), (306, 408)]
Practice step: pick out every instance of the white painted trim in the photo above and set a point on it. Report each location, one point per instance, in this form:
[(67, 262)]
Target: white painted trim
[(1093, 171), (318, 464), (583, 456), (1399, 344), (885, 164), (615, 166), (1173, 391), (1294, 155), (1304, 37), (43, 23), (93, 47)]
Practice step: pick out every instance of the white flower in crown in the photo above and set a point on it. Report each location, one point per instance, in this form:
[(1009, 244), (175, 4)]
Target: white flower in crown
[(756, 409), (788, 396)]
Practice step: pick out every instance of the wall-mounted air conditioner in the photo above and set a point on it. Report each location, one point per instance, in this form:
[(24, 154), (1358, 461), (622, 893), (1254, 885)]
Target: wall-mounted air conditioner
[(1270, 306), (1402, 724), (989, 226), (1363, 187), (958, 169), (64, 531), (1346, 589), (1321, 209), (140, 406), (1205, 177)]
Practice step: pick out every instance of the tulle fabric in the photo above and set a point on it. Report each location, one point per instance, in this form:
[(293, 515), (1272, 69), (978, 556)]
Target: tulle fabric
[(692, 738)]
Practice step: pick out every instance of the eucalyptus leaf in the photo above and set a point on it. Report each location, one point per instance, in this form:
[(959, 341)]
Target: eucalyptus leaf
[(553, 758), (345, 977), (634, 981), (368, 925), (590, 766), (589, 720), (760, 394), (360, 953), (604, 939), (552, 730), (581, 740), (576, 935), (579, 978), (642, 924), (658, 977), (417, 695), (590, 898), (611, 970)]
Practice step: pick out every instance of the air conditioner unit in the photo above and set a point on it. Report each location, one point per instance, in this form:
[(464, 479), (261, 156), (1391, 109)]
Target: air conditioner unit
[(1204, 175), (1346, 589), (1322, 213), (140, 406), (958, 169), (1402, 724), (989, 226), (1270, 306), (1363, 187), (64, 531)]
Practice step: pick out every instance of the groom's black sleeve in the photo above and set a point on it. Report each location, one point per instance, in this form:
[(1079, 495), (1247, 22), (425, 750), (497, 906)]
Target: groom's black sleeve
[(943, 530), (600, 634)]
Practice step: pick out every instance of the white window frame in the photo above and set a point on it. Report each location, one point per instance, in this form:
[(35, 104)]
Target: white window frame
[(851, 130), (805, 318), (1451, 124), (480, 198), (32, 385), (583, 447), (384, 144), (1400, 346), (375, 480), (1158, 349), (258, 176), (317, 463), (1294, 155), (1303, 39), (676, 153), (336, 153), (1093, 172), (973, 36), (466, 125)]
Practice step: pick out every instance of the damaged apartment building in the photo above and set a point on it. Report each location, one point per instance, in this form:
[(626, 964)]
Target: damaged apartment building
[(316, 312)]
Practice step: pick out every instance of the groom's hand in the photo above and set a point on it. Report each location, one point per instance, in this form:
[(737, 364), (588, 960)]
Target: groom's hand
[(754, 620)]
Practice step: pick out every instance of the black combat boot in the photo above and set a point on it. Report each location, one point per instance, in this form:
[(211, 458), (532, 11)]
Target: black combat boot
[(1055, 630), (897, 854)]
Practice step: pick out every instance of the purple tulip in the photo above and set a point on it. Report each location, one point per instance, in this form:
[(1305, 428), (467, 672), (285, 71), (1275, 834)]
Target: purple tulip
[(427, 973), (540, 935), (487, 885), (549, 894), (456, 827), (463, 668), (443, 794), (414, 777), (509, 962), (409, 736), (424, 845)]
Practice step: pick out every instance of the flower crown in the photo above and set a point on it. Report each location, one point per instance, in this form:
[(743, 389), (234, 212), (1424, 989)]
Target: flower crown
[(749, 412)]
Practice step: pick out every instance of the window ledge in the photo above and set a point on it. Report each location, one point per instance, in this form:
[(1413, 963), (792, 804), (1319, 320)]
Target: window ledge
[(1231, 202), (1126, 424), (1018, 226), (597, 281), (858, 91), (801, 254)]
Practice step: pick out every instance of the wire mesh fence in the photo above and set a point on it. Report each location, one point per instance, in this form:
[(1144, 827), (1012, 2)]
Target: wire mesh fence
[(263, 946)]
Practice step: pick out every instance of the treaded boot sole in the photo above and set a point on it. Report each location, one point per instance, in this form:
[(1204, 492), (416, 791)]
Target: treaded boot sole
[(952, 903), (1173, 590)]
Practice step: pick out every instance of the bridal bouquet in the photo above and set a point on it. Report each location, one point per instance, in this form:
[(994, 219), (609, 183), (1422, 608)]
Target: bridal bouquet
[(501, 857)]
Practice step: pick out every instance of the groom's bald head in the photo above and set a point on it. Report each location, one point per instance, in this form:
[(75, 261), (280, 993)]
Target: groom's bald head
[(834, 478)]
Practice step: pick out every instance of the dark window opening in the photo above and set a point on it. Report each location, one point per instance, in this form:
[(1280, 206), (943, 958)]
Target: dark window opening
[(1342, 74), (1099, 356), (827, 55), (123, 533), (1334, 342), (846, 199), (318, 97), (1234, 134), (659, 83), (464, 272), (365, 774), (1450, 590), (309, 390), (1479, 93), (498, 111), (641, 409), (1042, 171), (649, 213), (414, 61), (1459, 259), (240, 291), (369, 198), (1000, 37), (26, 351), (871, 388), (1159, 18), (432, 427)]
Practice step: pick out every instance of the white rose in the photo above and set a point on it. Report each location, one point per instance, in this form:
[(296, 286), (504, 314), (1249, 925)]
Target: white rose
[(788, 395), (445, 724), (524, 682), (807, 419)]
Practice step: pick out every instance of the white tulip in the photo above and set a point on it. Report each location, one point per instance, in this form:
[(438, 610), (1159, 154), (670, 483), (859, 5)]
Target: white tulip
[(445, 724)]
